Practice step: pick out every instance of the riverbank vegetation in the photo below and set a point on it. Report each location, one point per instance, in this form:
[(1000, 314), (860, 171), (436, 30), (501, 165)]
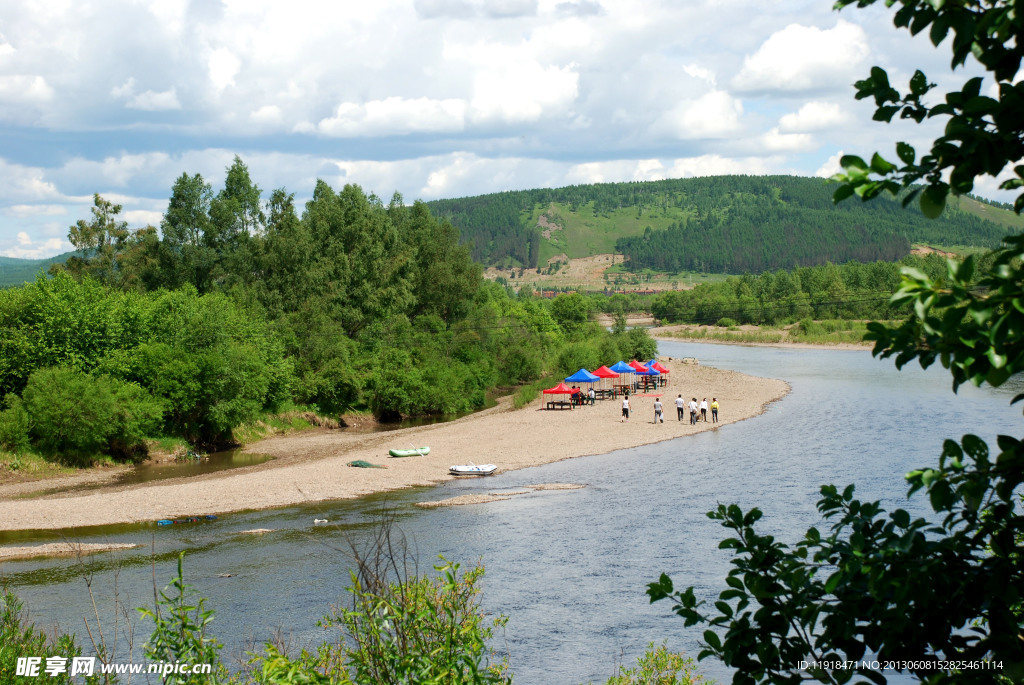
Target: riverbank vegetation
[(238, 309)]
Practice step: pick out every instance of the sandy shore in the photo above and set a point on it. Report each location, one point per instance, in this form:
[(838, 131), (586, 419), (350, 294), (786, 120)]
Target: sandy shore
[(311, 466)]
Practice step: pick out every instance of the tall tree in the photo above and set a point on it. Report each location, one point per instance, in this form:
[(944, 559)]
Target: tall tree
[(187, 254), (100, 242)]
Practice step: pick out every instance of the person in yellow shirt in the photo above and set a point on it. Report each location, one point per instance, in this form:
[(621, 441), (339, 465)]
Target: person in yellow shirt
[(714, 410)]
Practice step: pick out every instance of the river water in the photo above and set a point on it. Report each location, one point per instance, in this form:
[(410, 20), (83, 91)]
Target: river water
[(568, 567)]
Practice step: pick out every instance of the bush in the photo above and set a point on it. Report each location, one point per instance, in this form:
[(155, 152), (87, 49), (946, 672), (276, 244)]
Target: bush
[(77, 416), (418, 629), (658, 666), (725, 322), (14, 425)]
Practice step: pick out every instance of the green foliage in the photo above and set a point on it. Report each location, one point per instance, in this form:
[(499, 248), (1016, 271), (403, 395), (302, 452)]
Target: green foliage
[(14, 426), (638, 344), (658, 666), (725, 322), (77, 416), (180, 633), (983, 132), (722, 224), (420, 630)]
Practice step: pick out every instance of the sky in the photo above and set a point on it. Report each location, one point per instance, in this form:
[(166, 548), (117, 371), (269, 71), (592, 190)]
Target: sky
[(429, 98)]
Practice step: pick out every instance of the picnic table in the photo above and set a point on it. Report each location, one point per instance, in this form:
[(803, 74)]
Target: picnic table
[(560, 404)]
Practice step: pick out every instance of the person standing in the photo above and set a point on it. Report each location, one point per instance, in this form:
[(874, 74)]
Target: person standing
[(625, 408), (693, 411), (658, 416), (680, 407), (714, 409), (704, 410)]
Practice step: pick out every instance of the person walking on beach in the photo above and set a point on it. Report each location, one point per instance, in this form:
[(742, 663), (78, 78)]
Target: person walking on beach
[(658, 416), (714, 409), (704, 410), (625, 408), (693, 411), (680, 405)]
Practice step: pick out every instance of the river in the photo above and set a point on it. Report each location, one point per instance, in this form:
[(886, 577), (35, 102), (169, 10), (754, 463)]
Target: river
[(568, 567)]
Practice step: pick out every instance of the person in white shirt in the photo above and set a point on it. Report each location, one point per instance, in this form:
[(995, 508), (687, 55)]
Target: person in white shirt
[(625, 409), (704, 410), (680, 406), (658, 411), (693, 411)]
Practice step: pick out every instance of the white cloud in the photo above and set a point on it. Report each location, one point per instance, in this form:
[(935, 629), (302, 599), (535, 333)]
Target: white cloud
[(223, 66), (141, 217), (523, 92), (805, 58), (27, 249), (25, 89), (395, 116), (717, 165), (831, 166), (35, 210), (151, 101), (813, 116), (715, 114), (267, 114), (774, 141)]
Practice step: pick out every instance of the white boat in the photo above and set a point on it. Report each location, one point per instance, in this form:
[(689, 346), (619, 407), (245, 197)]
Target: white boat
[(473, 470)]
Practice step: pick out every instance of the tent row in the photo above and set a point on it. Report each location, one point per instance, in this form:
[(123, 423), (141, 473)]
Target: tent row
[(613, 382)]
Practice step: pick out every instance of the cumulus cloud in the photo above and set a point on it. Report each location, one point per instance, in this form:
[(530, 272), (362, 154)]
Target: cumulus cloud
[(395, 116), (26, 248), (581, 8), (715, 114), (805, 58), (831, 166), (25, 89), (463, 9), (813, 116), (223, 66), (35, 210), (151, 101)]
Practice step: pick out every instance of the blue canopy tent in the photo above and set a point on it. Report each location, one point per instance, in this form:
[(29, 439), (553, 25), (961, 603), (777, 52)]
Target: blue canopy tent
[(583, 376), (621, 367)]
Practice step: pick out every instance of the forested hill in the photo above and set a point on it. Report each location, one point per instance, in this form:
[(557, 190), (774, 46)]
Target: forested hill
[(15, 271), (731, 224)]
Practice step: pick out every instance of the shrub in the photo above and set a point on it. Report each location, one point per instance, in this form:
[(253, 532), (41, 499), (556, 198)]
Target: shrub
[(725, 322), (658, 666), (14, 426), (77, 416)]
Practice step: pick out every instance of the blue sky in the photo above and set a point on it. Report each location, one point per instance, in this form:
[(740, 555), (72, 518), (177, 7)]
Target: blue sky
[(432, 98)]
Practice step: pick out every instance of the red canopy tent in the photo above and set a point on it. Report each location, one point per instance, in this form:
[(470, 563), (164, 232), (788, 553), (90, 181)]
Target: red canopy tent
[(561, 389), (659, 368), (637, 365), (604, 373)]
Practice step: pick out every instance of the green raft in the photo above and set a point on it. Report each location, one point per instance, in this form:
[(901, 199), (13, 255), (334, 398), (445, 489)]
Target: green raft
[(410, 453)]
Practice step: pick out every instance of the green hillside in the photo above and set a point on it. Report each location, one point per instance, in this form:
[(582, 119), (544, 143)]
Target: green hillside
[(725, 224), (18, 271)]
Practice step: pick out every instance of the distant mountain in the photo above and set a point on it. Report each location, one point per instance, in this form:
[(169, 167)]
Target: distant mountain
[(18, 271), (729, 224)]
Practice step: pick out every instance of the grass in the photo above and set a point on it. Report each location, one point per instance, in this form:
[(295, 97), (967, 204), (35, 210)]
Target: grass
[(29, 466), (296, 419)]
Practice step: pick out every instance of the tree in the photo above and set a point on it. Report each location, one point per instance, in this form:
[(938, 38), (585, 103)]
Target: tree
[(100, 242), (187, 255), (983, 134), (943, 601)]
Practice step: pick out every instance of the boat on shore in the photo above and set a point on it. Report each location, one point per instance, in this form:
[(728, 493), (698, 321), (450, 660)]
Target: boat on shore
[(415, 452), (473, 470)]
